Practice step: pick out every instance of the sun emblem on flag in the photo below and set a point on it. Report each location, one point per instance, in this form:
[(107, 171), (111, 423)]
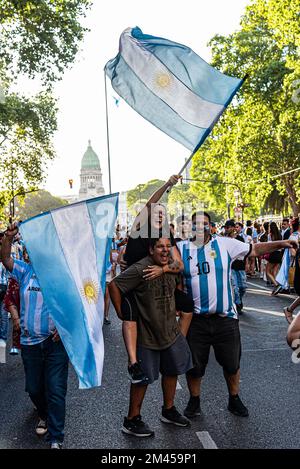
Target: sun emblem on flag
[(90, 291), (163, 80), (213, 254)]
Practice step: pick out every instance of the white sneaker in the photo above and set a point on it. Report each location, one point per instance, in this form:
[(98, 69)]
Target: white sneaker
[(56, 445), (41, 428), (2, 351)]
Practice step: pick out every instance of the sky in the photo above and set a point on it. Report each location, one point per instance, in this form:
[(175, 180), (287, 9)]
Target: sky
[(138, 151)]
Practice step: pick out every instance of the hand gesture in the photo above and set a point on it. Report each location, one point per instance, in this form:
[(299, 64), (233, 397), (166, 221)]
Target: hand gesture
[(152, 272), (12, 230), (173, 180)]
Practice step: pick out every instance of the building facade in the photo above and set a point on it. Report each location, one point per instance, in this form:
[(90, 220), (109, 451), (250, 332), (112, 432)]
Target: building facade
[(91, 184)]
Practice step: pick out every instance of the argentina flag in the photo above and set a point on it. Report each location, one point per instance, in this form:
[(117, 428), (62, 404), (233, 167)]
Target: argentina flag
[(170, 86), (69, 251)]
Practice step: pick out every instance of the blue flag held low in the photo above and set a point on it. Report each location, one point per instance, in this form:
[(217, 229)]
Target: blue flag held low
[(69, 251), (170, 86)]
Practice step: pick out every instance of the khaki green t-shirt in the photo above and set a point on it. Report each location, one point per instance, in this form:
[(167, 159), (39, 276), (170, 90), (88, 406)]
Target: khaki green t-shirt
[(157, 325)]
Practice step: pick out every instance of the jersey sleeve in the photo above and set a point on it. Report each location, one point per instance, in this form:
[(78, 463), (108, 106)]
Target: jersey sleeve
[(237, 249), (19, 270)]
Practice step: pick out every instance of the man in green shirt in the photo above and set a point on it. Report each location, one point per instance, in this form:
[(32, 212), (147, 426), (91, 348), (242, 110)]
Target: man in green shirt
[(162, 346)]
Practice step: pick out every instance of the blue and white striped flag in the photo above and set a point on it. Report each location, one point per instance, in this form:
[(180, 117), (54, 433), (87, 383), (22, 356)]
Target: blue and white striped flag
[(170, 86), (69, 251)]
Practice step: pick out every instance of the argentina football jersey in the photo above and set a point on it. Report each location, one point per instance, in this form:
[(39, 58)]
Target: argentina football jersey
[(35, 321), (207, 273)]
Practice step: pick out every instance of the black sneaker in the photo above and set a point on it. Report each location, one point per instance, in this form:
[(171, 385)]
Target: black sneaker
[(193, 407), (276, 290), (136, 374), (236, 406), (173, 416), (136, 427)]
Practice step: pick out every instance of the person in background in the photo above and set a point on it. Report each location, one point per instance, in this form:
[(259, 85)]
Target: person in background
[(3, 311), (275, 258), (285, 228), (238, 266), (294, 256)]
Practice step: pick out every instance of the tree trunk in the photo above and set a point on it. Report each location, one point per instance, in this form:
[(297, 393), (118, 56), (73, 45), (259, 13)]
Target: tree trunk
[(289, 183)]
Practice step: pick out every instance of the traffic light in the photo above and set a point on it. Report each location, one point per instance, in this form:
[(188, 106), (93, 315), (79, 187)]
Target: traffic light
[(71, 183)]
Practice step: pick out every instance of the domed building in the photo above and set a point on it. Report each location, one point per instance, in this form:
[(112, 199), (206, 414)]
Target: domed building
[(90, 175)]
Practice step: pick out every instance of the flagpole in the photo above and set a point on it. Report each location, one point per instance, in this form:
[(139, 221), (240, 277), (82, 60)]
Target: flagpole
[(208, 132), (107, 134)]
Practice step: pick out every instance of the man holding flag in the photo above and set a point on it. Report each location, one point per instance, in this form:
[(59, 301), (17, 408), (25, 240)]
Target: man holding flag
[(44, 357)]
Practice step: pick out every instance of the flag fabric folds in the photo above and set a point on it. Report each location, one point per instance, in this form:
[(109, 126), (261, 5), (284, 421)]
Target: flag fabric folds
[(69, 251), (170, 86)]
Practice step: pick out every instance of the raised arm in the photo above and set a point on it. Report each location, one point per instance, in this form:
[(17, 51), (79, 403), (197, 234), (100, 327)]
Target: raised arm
[(6, 258), (143, 215)]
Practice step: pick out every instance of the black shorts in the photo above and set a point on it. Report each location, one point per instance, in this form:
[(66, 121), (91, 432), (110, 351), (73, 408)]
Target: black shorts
[(129, 308), (223, 334), (172, 361)]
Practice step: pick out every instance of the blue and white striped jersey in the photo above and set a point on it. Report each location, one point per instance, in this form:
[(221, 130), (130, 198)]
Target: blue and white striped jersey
[(3, 275), (36, 323), (207, 272)]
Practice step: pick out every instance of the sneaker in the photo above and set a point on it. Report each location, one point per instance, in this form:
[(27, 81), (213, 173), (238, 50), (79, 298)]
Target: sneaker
[(136, 427), (41, 428), (239, 309), (55, 445), (236, 407), (106, 321), (173, 416), (136, 374), (14, 351), (276, 290), (193, 407)]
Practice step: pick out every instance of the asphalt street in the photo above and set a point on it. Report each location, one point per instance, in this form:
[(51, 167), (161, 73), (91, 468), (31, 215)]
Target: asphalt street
[(269, 387)]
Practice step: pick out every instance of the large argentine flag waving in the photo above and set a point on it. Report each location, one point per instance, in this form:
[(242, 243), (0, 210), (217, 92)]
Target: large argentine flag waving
[(170, 86), (69, 250)]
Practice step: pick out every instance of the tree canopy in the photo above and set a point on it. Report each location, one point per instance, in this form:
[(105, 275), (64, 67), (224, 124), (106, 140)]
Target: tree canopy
[(259, 135), (39, 39)]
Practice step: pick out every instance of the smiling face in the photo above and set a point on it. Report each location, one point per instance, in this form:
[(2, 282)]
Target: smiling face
[(158, 216), (160, 253)]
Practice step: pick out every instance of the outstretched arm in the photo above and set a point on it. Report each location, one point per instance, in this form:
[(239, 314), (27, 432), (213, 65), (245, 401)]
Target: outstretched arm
[(259, 249)]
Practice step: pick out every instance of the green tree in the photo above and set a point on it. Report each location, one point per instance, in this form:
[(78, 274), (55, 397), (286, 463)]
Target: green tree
[(142, 192), (36, 203), (39, 39), (259, 136)]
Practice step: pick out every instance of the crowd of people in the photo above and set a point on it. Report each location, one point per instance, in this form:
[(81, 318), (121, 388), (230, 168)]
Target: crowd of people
[(178, 289)]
